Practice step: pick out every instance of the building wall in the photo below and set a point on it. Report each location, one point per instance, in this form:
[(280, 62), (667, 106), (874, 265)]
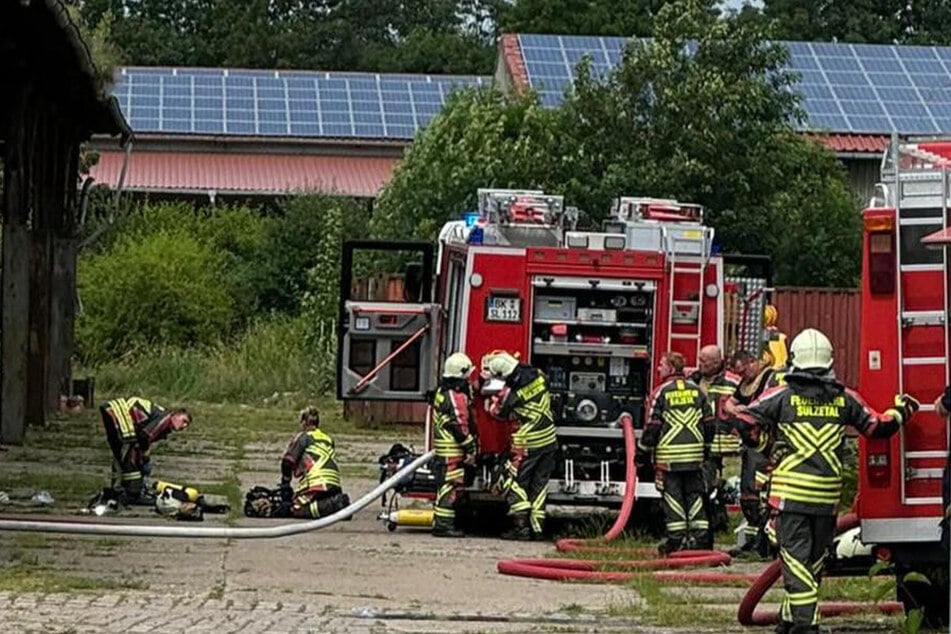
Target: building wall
[(834, 311)]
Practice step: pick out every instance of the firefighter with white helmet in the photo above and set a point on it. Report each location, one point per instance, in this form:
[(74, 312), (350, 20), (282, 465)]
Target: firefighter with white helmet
[(453, 440), (524, 476), (801, 425)]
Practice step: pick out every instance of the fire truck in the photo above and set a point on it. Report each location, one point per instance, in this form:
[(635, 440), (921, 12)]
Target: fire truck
[(594, 310), (905, 348)]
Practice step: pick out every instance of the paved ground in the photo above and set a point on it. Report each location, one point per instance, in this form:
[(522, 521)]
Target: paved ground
[(352, 577)]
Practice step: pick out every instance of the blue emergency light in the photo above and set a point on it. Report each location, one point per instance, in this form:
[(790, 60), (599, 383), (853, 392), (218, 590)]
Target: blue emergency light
[(471, 218)]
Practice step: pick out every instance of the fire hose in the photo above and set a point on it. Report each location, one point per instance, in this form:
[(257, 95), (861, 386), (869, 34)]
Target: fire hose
[(283, 530), (663, 569)]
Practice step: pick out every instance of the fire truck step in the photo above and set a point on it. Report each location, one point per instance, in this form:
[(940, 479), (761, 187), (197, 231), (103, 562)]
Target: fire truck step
[(684, 335), (924, 360)]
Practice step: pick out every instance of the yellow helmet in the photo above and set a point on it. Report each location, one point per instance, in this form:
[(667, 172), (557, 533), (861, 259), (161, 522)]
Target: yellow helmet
[(498, 364), (770, 315), (811, 350), (457, 366)]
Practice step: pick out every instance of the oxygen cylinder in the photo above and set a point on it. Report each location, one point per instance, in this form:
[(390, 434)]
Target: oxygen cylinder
[(180, 492), (412, 517)]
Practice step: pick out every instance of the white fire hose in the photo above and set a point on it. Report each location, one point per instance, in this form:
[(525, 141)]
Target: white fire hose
[(146, 530)]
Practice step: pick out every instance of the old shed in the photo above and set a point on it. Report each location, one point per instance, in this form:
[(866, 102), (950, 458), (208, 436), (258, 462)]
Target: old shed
[(50, 105)]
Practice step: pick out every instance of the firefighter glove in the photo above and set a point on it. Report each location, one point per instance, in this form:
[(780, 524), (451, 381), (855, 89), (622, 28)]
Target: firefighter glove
[(909, 404), (287, 493), (642, 457)]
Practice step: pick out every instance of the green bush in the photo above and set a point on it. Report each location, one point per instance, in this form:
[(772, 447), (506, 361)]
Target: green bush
[(165, 288), (270, 357)]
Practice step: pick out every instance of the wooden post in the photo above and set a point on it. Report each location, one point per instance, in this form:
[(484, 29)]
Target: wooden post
[(63, 281), (45, 155), (16, 277)]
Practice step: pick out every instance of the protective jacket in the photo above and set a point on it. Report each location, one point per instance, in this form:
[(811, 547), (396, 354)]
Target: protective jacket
[(452, 420), (679, 425), (718, 388), (137, 420), (311, 457), (527, 399), (801, 427)]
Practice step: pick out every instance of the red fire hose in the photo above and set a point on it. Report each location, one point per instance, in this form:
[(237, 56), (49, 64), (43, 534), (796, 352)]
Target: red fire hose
[(592, 570)]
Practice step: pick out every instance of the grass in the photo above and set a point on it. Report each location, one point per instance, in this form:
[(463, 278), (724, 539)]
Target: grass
[(25, 577)]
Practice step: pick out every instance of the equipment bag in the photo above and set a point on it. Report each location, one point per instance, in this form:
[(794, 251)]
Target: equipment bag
[(264, 502)]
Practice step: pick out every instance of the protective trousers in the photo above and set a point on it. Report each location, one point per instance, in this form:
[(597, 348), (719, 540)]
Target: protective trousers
[(127, 464), (315, 503), (803, 543), (712, 499), (752, 479), (450, 478), (683, 493), (527, 492)]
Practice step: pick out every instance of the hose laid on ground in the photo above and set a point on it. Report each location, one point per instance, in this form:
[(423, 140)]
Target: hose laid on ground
[(147, 530), (592, 570)]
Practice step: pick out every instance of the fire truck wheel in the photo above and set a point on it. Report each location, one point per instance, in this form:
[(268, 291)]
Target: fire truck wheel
[(931, 597)]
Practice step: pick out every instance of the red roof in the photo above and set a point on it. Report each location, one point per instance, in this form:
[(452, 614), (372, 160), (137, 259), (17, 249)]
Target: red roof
[(199, 172), (855, 143)]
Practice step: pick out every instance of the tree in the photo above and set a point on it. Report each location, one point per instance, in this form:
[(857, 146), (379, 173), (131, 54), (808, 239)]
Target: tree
[(702, 112), (482, 138), (869, 21), (579, 17)]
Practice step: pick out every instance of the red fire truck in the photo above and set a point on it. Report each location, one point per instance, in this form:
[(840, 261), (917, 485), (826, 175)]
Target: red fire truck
[(905, 348), (592, 309)]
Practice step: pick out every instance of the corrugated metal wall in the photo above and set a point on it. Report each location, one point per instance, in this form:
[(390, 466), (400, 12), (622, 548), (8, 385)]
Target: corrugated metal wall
[(834, 311)]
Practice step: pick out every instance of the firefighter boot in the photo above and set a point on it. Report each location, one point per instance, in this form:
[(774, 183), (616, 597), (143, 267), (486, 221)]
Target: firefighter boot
[(443, 527), (520, 530)]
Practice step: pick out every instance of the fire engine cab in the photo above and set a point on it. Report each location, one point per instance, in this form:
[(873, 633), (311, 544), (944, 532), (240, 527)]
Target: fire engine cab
[(594, 310), (905, 348)]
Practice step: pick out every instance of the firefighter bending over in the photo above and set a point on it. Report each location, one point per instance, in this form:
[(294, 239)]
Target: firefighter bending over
[(524, 475), (453, 441), (718, 384), (679, 429), (312, 458), (132, 426), (801, 426)]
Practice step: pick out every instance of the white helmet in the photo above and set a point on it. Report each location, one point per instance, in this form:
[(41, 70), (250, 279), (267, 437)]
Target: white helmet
[(457, 366), (811, 350), (499, 364)]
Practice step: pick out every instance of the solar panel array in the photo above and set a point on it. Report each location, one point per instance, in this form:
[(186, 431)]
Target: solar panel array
[(858, 88), (282, 103)]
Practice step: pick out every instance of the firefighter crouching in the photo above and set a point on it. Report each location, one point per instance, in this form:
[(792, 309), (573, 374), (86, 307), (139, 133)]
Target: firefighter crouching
[(311, 457), (718, 384), (453, 442), (524, 475), (133, 425), (679, 429), (801, 427)]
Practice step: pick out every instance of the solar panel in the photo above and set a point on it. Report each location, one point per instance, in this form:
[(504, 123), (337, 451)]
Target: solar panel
[(282, 103), (859, 88)]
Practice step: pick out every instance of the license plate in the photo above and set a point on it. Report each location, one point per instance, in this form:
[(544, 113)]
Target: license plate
[(504, 309)]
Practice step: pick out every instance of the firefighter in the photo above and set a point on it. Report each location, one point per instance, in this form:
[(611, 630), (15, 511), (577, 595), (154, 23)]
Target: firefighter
[(453, 441), (679, 429), (718, 384), (311, 456), (132, 426), (774, 351), (802, 427), (523, 477), (757, 376)]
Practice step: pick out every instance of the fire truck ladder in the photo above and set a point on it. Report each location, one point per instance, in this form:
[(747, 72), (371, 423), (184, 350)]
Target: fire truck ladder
[(912, 321), (696, 243)]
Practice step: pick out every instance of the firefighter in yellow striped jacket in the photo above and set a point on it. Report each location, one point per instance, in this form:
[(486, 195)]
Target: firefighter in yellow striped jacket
[(718, 384), (132, 426), (679, 429), (311, 456), (453, 440), (801, 427), (524, 476)]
